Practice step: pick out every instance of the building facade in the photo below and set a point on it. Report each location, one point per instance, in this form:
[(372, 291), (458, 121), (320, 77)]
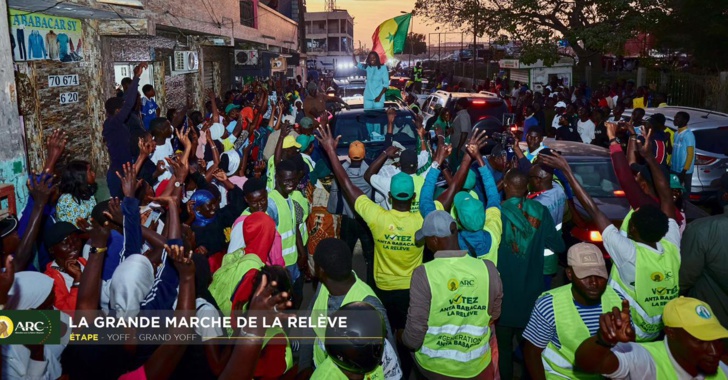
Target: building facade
[(329, 36), (69, 58)]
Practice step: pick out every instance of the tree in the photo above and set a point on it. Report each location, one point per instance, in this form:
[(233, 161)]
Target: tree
[(591, 27), (697, 28), (415, 44)]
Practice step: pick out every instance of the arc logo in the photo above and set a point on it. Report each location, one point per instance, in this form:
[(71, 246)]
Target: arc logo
[(30, 327), (454, 284)]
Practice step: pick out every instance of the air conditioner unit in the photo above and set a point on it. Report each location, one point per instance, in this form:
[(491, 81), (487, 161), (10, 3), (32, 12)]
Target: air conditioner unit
[(185, 62), (246, 57)]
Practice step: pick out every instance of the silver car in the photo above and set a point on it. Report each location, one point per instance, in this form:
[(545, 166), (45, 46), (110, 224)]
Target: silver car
[(711, 146)]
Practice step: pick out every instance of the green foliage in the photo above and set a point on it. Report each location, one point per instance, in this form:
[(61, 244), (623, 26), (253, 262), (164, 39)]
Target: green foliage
[(415, 44), (592, 27)]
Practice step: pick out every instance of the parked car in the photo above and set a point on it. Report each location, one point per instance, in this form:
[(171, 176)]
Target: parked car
[(370, 127), (486, 109), (711, 146), (593, 168)]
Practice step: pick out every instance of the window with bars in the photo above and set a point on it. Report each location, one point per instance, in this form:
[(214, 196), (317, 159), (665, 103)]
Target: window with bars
[(247, 13)]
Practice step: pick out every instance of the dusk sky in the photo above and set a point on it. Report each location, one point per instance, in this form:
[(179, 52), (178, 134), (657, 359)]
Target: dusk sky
[(368, 14)]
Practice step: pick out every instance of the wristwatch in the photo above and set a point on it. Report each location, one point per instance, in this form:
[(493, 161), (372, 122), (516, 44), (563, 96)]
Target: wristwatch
[(177, 184), (95, 250), (436, 165), (614, 140)]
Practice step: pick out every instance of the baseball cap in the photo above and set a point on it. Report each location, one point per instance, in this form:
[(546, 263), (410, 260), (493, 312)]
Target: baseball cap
[(694, 316), (675, 182), (470, 211), (58, 232), (305, 141), (408, 159), (289, 119), (402, 187), (357, 151), (306, 123), (560, 105), (586, 260), (290, 142), (436, 224), (657, 119), (8, 225), (231, 107)]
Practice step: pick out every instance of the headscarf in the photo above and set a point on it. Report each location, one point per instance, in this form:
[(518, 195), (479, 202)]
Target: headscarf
[(132, 281), (29, 290), (201, 198), (259, 231), (232, 164), (216, 131)]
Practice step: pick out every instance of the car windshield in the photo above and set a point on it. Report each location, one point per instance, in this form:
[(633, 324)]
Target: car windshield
[(371, 126), (712, 140), (597, 178)]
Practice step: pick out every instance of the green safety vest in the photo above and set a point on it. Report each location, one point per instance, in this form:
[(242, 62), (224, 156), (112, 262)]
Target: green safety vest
[(559, 362), (285, 227), (272, 332), (270, 183), (625, 221), (663, 365), (358, 292), (458, 334), (417, 74), (226, 279), (329, 371), (419, 182), (656, 283), (301, 200)]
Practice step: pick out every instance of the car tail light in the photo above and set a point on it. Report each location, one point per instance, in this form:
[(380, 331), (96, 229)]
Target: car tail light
[(694, 197), (478, 102), (619, 193), (514, 128), (704, 160), (482, 117), (587, 235), (402, 80)]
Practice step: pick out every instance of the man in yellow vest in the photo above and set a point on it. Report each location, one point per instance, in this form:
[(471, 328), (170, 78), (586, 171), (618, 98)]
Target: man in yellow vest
[(339, 286), (647, 260), (288, 208), (454, 301), (565, 316), (692, 347), (396, 254), (358, 350)]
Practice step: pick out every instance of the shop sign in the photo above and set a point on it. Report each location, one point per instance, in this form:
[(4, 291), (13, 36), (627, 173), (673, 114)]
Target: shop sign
[(38, 36)]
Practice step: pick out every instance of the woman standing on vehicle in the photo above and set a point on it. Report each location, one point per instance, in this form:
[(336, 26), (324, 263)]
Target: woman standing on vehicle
[(443, 125), (377, 81)]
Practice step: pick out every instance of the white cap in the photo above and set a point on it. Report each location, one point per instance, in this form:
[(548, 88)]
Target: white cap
[(560, 105)]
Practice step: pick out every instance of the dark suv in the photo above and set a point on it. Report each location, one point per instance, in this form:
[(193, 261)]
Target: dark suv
[(486, 109), (370, 127)]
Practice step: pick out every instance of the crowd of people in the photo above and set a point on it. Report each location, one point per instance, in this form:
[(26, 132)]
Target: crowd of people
[(234, 209)]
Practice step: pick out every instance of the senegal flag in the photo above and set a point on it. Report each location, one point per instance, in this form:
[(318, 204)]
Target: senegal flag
[(390, 35)]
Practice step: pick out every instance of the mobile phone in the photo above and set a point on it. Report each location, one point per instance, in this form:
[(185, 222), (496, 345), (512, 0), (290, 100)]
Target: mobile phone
[(638, 131), (153, 217)]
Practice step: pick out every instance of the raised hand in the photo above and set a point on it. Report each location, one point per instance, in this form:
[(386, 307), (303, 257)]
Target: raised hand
[(139, 69), (98, 234), (41, 187), (555, 161), (611, 129), (392, 152), (179, 169), (146, 149), (220, 175), (326, 140), (113, 213), (56, 144), (645, 149), (169, 201), (443, 150), (265, 299), (259, 168), (479, 138), (615, 326), (184, 138), (182, 260), (129, 182)]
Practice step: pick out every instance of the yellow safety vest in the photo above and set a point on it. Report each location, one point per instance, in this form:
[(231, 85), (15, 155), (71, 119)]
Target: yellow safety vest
[(329, 371), (226, 279), (656, 283), (458, 334), (559, 362), (272, 332), (419, 182), (285, 227), (270, 183), (665, 369), (358, 292)]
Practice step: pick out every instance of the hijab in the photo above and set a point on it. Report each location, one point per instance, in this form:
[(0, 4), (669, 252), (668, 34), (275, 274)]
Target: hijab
[(259, 231), (132, 281), (201, 198), (29, 290)]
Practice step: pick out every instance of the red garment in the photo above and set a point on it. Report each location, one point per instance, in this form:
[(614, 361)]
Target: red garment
[(272, 360), (244, 291), (65, 300), (259, 232), (215, 262)]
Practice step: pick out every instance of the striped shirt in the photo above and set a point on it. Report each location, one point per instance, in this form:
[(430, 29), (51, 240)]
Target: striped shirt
[(541, 328)]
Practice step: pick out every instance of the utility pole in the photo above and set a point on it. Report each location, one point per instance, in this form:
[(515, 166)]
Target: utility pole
[(475, 46)]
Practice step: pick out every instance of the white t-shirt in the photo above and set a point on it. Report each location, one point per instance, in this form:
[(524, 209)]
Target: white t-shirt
[(383, 180), (636, 363), (586, 130), (624, 253)]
